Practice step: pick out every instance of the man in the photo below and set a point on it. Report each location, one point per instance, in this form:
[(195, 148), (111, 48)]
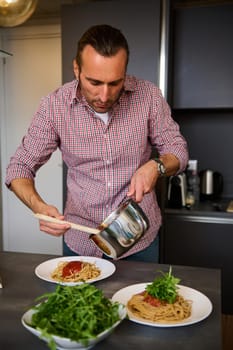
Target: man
[(106, 124)]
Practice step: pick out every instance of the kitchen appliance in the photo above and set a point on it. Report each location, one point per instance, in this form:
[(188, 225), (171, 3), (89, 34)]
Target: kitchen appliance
[(211, 185), (177, 190), (118, 232)]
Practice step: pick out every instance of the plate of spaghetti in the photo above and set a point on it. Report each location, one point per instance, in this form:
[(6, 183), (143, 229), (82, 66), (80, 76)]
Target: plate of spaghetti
[(189, 306), (75, 270)]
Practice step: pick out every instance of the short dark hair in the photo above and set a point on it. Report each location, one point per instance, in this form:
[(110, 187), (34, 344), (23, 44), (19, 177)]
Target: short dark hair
[(106, 40)]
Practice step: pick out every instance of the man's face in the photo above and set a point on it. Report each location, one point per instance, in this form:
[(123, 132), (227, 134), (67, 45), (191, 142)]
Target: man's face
[(101, 78)]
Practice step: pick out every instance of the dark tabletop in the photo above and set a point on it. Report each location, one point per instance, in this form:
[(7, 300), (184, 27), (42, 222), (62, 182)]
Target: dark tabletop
[(21, 286)]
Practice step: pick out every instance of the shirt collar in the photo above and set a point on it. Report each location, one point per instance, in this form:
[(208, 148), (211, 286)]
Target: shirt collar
[(130, 83), (75, 95)]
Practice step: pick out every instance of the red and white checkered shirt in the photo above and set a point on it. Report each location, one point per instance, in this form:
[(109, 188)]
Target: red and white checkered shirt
[(101, 158)]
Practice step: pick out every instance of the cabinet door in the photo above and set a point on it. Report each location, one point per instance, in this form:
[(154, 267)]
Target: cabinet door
[(203, 56), (204, 244)]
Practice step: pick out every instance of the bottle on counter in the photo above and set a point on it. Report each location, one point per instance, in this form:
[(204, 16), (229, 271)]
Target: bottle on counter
[(193, 183)]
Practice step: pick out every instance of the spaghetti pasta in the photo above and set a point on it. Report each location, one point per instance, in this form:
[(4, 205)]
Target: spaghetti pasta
[(163, 312), (75, 271)]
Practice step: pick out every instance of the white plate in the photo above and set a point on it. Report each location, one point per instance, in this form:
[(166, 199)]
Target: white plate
[(45, 269), (201, 305)]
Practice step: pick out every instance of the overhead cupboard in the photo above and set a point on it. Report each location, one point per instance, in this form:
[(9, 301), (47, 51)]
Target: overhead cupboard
[(202, 56)]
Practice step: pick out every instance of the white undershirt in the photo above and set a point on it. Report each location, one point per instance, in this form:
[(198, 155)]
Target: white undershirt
[(103, 116)]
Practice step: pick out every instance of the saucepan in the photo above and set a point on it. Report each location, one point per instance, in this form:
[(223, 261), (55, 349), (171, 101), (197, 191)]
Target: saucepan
[(118, 232)]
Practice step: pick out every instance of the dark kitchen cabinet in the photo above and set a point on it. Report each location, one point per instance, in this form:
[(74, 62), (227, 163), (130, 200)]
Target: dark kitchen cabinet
[(197, 238), (202, 56)]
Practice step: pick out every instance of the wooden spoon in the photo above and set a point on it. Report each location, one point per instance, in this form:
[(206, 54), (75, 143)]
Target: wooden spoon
[(74, 226)]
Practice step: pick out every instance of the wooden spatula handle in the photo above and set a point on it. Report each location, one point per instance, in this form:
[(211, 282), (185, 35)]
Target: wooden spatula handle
[(74, 226)]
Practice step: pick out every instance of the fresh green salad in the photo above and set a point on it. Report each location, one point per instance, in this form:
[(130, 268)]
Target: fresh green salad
[(164, 288), (78, 312)]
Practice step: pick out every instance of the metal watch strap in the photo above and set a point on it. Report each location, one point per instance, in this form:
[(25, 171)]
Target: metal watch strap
[(161, 167)]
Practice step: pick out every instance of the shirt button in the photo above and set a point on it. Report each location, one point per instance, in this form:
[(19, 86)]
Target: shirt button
[(108, 161), (109, 184)]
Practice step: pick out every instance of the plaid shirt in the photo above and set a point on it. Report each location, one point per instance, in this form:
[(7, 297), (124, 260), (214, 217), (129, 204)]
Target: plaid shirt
[(101, 158)]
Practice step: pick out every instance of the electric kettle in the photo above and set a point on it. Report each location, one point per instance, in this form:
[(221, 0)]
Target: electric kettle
[(211, 184)]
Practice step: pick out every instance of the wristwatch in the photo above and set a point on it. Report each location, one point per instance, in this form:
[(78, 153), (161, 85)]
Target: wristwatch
[(161, 166)]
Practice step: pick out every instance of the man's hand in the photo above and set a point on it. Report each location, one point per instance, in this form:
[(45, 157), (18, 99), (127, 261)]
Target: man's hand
[(53, 229), (143, 181), (25, 190)]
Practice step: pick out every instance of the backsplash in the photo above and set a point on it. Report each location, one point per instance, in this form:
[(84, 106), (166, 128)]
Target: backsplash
[(209, 136)]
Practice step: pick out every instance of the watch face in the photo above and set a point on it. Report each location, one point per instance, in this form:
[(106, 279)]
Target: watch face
[(162, 169)]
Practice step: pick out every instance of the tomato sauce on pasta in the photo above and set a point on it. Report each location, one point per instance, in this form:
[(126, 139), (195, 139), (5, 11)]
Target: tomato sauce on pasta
[(147, 307), (75, 271)]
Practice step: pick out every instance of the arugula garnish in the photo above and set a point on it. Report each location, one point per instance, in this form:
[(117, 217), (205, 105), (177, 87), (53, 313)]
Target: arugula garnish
[(164, 288), (77, 312)]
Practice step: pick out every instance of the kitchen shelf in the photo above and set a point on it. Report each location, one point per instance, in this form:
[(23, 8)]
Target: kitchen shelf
[(214, 211)]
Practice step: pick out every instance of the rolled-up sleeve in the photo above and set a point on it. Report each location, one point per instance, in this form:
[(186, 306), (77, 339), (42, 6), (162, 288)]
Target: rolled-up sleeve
[(165, 132), (35, 148)]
